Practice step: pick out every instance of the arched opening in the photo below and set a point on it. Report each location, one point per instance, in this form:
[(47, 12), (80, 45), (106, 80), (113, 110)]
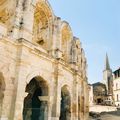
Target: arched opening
[(2, 89), (42, 25), (65, 113), (66, 41), (36, 102)]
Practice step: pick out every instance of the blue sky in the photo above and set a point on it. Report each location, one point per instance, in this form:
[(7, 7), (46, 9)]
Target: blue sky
[(97, 24)]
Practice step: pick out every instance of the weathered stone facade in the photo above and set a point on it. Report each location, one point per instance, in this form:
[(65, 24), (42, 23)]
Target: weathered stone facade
[(42, 65), (90, 95), (99, 93)]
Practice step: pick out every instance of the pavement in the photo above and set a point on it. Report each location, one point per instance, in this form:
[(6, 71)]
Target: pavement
[(106, 117), (105, 113), (101, 108), (110, 117)]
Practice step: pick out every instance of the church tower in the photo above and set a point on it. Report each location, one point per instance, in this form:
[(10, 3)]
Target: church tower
[(107, 76)]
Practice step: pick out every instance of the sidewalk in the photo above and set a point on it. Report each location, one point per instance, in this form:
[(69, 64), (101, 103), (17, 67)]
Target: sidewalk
[(105, 112), (99, 108)]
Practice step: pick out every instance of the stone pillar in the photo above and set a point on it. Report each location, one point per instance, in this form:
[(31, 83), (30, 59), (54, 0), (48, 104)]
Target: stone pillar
[(6, 102), (56, 95), (3, 112), (85, 101), (56, 104), (54, 27), (26, 30), (75, 98), (82, 101), (19, 89), (24, 18), (49, 108), (86, 94), (79, 99), (57, 38), (19, 102), (18, 20), (6, 105), (51, 33)]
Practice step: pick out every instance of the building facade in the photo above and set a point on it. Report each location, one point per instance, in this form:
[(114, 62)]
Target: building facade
[(103, 91), (42, 64), (99, 93), (116, 87)]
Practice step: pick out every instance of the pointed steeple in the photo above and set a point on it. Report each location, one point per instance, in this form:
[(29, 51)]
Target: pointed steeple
[(107, 65)]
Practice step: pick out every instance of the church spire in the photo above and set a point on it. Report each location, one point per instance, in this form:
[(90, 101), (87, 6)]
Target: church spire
[(107, 65)]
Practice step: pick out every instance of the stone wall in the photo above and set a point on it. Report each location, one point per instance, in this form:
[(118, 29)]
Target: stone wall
[(52, 60)]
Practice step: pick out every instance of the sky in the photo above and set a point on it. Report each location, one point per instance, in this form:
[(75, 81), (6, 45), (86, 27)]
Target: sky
[(97, 24)]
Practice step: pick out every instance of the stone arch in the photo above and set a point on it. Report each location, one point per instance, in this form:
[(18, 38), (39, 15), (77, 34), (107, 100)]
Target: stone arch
[(34, 73), (65, 111), (66, 38), (42, 27), (2, 89), (36, 102)]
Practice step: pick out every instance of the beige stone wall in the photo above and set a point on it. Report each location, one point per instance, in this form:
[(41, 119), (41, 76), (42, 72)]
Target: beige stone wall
[(90, 95), (60, 61)]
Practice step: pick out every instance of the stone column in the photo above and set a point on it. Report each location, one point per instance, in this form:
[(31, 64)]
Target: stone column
[(51, 33), (56, 95), (4, 111), (6, 105), (19, 89), (19, 101), (18, 20), (56, 104), (75, 98), (86, 94), (57, 38), (7, 98), (53, 38), (50, 107), (82, 100), (86, 100), (79, 99), (26, 30)]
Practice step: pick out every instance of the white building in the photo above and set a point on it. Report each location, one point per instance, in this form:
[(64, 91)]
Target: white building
[(116, 86)]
